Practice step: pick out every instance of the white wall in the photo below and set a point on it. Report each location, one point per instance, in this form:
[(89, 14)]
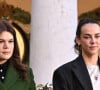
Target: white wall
[(52, 36)]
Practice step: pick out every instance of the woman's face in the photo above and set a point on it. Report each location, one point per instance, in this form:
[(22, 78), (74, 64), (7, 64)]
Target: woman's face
[(6, 46), (90, 39)]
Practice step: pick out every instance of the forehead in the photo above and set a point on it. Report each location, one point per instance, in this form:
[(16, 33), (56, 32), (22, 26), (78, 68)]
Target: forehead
[(91, 28), (6, 35)]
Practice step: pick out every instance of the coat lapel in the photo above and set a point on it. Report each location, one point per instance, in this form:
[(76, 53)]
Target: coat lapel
[(81, 72), (11, 76)]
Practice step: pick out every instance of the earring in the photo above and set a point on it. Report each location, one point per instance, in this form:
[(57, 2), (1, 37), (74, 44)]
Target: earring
[(79, 44)]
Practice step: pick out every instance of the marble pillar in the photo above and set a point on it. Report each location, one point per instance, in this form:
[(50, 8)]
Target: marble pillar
[(52, 36)]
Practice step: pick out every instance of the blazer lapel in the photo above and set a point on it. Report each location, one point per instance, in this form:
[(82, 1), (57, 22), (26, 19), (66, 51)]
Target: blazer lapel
[(11, 76), (81, 72)]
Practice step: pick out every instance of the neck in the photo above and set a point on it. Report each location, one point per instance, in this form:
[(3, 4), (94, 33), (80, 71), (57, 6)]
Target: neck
[(90, 59)]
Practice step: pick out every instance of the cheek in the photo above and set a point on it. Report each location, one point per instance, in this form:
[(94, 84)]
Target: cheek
[(98, 42), (84, 42), (12, 47), (1, 47)]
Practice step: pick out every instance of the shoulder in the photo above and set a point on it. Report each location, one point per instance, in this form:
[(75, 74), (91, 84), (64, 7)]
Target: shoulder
[(67, 67), (30, 71), (63, 72), (31, 79)]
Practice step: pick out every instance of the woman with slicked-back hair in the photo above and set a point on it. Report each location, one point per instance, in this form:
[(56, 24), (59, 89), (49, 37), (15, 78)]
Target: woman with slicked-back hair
[(82, 73), (14, 75)]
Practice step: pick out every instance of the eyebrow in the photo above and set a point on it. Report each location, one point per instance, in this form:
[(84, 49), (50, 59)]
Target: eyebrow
[(4, 39), (95, 34)]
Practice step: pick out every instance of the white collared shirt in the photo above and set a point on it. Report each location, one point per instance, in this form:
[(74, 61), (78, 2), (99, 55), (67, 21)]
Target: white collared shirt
[(94, 73)]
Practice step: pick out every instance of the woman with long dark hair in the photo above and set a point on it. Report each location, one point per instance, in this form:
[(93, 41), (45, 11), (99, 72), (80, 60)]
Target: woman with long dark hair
[(14, 75)]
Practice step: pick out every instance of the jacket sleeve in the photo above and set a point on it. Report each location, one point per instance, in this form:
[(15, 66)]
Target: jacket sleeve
[(32, 82), (59, 81)]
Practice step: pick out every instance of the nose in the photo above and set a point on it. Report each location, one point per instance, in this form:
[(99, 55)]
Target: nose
[(6, 45), (93, 40)]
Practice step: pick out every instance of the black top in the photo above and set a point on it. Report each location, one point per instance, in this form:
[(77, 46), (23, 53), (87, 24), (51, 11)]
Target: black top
[(3, 69)]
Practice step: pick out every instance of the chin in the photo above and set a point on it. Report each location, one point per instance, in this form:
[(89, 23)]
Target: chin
[(6, 58), (93, 53)]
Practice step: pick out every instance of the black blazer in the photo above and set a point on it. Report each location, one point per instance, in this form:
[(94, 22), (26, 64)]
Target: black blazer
[(72, 76)]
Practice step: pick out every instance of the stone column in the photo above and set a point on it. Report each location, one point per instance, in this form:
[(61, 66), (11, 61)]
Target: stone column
[(52, 36)]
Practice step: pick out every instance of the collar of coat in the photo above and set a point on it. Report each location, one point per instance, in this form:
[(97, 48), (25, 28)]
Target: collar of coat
[(80, 70)]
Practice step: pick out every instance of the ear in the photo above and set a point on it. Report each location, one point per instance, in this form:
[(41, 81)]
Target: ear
[(78, 41)]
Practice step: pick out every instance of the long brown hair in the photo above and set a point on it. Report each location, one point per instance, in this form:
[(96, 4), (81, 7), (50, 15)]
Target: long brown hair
[(15, 60)]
